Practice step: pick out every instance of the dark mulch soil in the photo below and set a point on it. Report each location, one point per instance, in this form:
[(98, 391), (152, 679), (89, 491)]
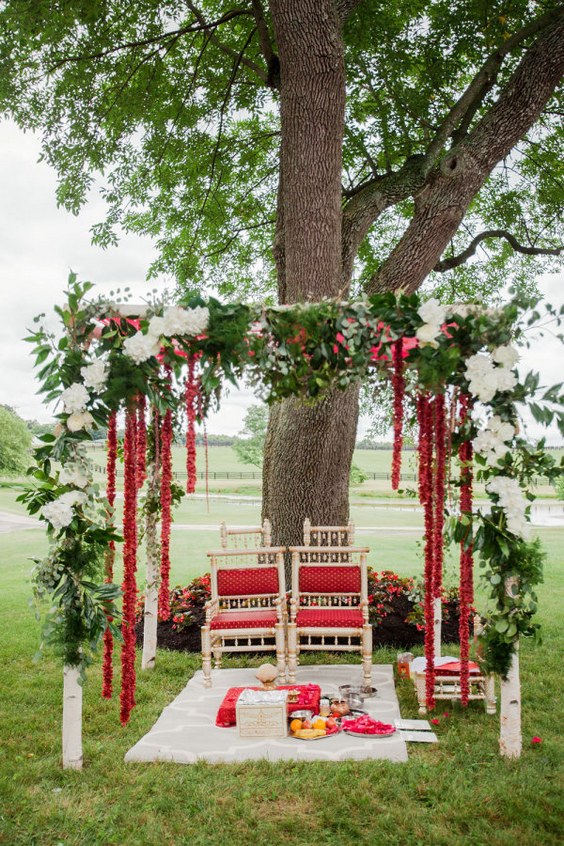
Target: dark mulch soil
[(392, 631)]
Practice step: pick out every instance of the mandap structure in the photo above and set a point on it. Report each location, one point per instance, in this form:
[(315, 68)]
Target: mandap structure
[(452, 369)]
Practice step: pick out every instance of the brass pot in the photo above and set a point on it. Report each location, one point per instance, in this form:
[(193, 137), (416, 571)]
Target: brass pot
[(340, 707)]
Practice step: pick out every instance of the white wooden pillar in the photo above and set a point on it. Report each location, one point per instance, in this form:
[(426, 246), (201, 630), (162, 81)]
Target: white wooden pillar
[(150, 612), (72, 718), (510, 739)]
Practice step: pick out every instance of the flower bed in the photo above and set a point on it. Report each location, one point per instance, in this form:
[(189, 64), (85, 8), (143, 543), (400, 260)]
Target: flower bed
[(396, 613)]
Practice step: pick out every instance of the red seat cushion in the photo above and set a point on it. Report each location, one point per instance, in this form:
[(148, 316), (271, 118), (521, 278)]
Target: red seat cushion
[(330, 579), (329, 618), (262, 618), (251, 581)]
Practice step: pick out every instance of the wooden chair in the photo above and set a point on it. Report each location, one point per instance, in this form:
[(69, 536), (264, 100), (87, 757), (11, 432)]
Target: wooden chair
[(247, 609), (329, 604), (328, 535), (246, 538)]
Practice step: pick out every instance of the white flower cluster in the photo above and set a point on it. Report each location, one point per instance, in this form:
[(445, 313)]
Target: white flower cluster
[(95, 375), (485, 378), (74, 400), (512, 501), (140, 347), (493, 441), (176, 321), (72, 474), (434, 314), (59, 512)]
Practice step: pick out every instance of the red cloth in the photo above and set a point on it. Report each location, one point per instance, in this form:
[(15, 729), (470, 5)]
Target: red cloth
[(330, 579), (453, 669), (262, 618), (308, 699), (329, 618), (251, 581)]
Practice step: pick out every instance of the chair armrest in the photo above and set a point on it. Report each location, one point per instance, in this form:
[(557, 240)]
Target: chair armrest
[(210, 608)]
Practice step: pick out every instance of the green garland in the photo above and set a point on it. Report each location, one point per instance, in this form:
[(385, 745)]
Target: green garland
[(300, 350)]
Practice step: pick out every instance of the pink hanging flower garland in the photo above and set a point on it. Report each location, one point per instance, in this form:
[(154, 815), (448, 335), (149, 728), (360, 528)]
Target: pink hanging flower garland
[(398, 386), (425, 448), (192, 401), (166, 514), (107, 665)]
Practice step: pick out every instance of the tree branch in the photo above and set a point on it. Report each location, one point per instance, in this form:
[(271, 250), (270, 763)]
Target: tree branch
[(442, 203), (345, 7), (225, 48), (270, 57), (156, 39), (455, 261)]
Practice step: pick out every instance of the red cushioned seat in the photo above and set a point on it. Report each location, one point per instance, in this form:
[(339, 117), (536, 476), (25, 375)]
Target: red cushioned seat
[(329, 618), (262, 618), (252, 581), (328, 579)]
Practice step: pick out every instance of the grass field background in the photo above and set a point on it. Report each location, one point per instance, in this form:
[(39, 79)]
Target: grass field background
[(456, 792)]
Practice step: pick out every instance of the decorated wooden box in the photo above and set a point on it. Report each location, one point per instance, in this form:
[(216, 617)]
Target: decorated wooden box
[(262, 713)]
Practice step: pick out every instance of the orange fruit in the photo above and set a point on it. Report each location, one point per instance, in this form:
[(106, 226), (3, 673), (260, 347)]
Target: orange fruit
[(319, 723), (295, 725)]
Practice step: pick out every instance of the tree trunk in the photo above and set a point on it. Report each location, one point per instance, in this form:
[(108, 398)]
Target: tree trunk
[(72, 719), (309, 448), (150, 613)]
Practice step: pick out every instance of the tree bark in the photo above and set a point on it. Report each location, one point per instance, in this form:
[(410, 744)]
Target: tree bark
[(72, 719), (308, 449)]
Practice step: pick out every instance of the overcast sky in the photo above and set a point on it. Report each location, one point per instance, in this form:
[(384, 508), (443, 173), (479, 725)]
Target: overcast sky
[(40, 243)]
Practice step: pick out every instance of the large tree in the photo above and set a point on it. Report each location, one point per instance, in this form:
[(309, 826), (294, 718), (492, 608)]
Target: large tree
[(311, 147)]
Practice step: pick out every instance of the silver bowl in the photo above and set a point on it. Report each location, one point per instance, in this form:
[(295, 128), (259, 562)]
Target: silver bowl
[(301, 715)]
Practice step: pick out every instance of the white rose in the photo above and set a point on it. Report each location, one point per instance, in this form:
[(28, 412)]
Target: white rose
[(484, 386), (58, 514), (95, 375), (73, 476), (478, 365), (157, 326), (182, 321), (507, 356), (80, 420), (75, 398), (506, 379), (432, 312), (501, 428), (141, 347), (427, 333), (73, 498)]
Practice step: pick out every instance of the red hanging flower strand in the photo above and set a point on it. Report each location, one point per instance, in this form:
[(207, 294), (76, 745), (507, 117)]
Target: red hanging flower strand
[(192, 392), (465, 454), (425, 448), (439, 474), (141, 441), (398, 385), (129, 587), (111, 445), (166, 514)]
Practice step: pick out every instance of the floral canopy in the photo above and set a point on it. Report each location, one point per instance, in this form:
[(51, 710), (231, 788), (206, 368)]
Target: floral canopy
[(452, 368)]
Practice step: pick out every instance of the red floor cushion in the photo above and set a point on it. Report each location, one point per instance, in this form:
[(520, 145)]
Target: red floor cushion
[(329, 618), (261, 619)]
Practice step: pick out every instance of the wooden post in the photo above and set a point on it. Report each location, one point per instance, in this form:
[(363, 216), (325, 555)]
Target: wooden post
[(72, 718), (437, 624), (510, 739)]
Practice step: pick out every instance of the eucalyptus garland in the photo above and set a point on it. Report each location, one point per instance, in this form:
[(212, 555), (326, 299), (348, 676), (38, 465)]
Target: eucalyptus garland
[(104, 360)]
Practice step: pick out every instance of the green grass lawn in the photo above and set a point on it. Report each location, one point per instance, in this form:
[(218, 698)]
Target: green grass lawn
[(456, 792)]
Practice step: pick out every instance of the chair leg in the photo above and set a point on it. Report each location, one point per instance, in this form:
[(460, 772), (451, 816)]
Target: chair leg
[(217, 655), (292, 653), (367, 655), (206, 656), (421, 692), (489, 694), (281, 652)]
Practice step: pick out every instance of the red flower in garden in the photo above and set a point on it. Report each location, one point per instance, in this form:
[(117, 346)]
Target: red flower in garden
[(536, 741), (435, 721)]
